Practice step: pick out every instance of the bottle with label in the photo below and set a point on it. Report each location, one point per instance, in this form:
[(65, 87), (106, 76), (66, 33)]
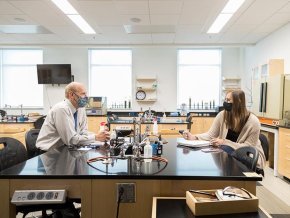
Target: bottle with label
[(147, 152), (164, 117), (102, 126), (155, 127), (159, 149), (113, 135)]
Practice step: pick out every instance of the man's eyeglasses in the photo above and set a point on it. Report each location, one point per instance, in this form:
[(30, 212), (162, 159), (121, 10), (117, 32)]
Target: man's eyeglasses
[(236, 192)]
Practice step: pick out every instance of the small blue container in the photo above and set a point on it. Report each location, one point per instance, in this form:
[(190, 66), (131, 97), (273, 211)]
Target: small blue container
[(154, 148)]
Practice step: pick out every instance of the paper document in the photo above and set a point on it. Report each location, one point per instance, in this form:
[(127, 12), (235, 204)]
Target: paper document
[(192, 143)]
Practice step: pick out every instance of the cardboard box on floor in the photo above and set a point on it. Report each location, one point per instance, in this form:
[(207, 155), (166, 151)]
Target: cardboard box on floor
[(200, 208)]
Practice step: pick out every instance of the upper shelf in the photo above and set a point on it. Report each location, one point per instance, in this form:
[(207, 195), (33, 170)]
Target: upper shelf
[(231, 78), (146, 79)]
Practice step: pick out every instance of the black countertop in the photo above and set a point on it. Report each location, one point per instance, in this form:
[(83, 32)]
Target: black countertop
[(183, 163)]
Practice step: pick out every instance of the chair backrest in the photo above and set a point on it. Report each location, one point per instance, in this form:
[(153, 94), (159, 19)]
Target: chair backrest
[(150, 111), (248, 155), (189, 120), (30, 140), (39, 122), (3, 113), (265, 145), (14, 152)]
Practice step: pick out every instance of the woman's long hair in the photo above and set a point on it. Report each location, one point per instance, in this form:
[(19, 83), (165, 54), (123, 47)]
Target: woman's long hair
[(238, 116)]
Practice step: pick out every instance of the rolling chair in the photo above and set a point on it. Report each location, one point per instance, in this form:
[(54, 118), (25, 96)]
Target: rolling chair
[(248, 155), (189, 120), (152, 112), (13, 153), (265, 145), (30, 140), (2, 113), (39, 122)]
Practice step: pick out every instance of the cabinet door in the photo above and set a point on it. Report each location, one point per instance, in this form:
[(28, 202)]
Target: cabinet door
[(207, 123), (16, 131), (284, 152), (274, 104), (197, 125), (94, 123)]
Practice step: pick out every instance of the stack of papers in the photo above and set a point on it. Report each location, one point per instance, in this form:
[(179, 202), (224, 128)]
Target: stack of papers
[(192, 143)]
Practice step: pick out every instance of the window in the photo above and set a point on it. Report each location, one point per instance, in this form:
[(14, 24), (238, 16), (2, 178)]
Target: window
[(18, 81), (199, 76), (111, 75)]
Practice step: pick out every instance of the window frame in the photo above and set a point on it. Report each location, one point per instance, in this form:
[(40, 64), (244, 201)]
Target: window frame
[(178, 101), (3, 65), (110, 65)]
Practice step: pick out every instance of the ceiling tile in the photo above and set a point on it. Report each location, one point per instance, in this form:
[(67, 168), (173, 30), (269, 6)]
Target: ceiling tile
[(162, 19), (163, 38), (165, 7), (7, 8), (132, 7)]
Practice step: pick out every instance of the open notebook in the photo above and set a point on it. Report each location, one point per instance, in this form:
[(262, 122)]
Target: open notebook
[(192, 143)]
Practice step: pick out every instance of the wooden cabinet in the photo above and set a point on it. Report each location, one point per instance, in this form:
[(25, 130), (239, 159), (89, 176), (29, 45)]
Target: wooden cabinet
[(94, 123), (267, 89), (201, 124), (272, 68), (284, 152), (15, 130)]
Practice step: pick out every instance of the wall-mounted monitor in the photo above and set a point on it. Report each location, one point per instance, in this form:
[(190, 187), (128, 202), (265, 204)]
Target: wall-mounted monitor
[(54, 73)]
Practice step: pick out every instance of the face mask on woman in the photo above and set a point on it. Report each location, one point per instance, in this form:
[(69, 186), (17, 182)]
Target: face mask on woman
[(228, 106)]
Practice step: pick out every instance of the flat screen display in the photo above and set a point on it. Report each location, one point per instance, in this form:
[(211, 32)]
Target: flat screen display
[(54, 73)]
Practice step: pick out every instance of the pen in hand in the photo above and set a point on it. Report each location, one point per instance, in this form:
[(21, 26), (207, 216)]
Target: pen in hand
[(181, 132)]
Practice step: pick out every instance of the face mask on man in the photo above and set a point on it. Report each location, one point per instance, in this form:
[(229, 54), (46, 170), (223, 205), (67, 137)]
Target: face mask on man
[(228, 106), (82, 101)]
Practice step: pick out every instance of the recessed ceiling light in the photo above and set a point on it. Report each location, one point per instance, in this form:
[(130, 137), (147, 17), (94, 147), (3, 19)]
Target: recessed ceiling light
[(18, 19), (135, 20)]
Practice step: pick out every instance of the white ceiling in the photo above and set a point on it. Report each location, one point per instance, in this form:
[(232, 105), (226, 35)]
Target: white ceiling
[(170, 22)]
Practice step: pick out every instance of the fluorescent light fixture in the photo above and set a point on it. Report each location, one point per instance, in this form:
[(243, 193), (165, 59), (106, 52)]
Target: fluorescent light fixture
[(230, 8), (65, 6), (72, 13), (82, 24), (219, 23)]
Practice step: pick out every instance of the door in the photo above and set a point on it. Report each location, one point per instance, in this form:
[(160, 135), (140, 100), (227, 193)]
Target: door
[(286, 106), (274, 97), (267, 97)]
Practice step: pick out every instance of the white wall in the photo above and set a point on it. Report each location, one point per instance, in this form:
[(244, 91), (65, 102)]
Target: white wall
[(159, 61), (275, 46)]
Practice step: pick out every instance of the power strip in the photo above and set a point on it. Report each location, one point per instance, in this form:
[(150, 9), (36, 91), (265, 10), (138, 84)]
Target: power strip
[(30, 197)]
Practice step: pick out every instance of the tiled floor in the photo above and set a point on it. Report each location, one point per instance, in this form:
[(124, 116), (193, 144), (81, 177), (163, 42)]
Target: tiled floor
[(274, 195), (279, 187)]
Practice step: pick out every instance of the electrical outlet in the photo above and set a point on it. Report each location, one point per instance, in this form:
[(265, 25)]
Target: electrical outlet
[(129, 192), (30, 197)]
